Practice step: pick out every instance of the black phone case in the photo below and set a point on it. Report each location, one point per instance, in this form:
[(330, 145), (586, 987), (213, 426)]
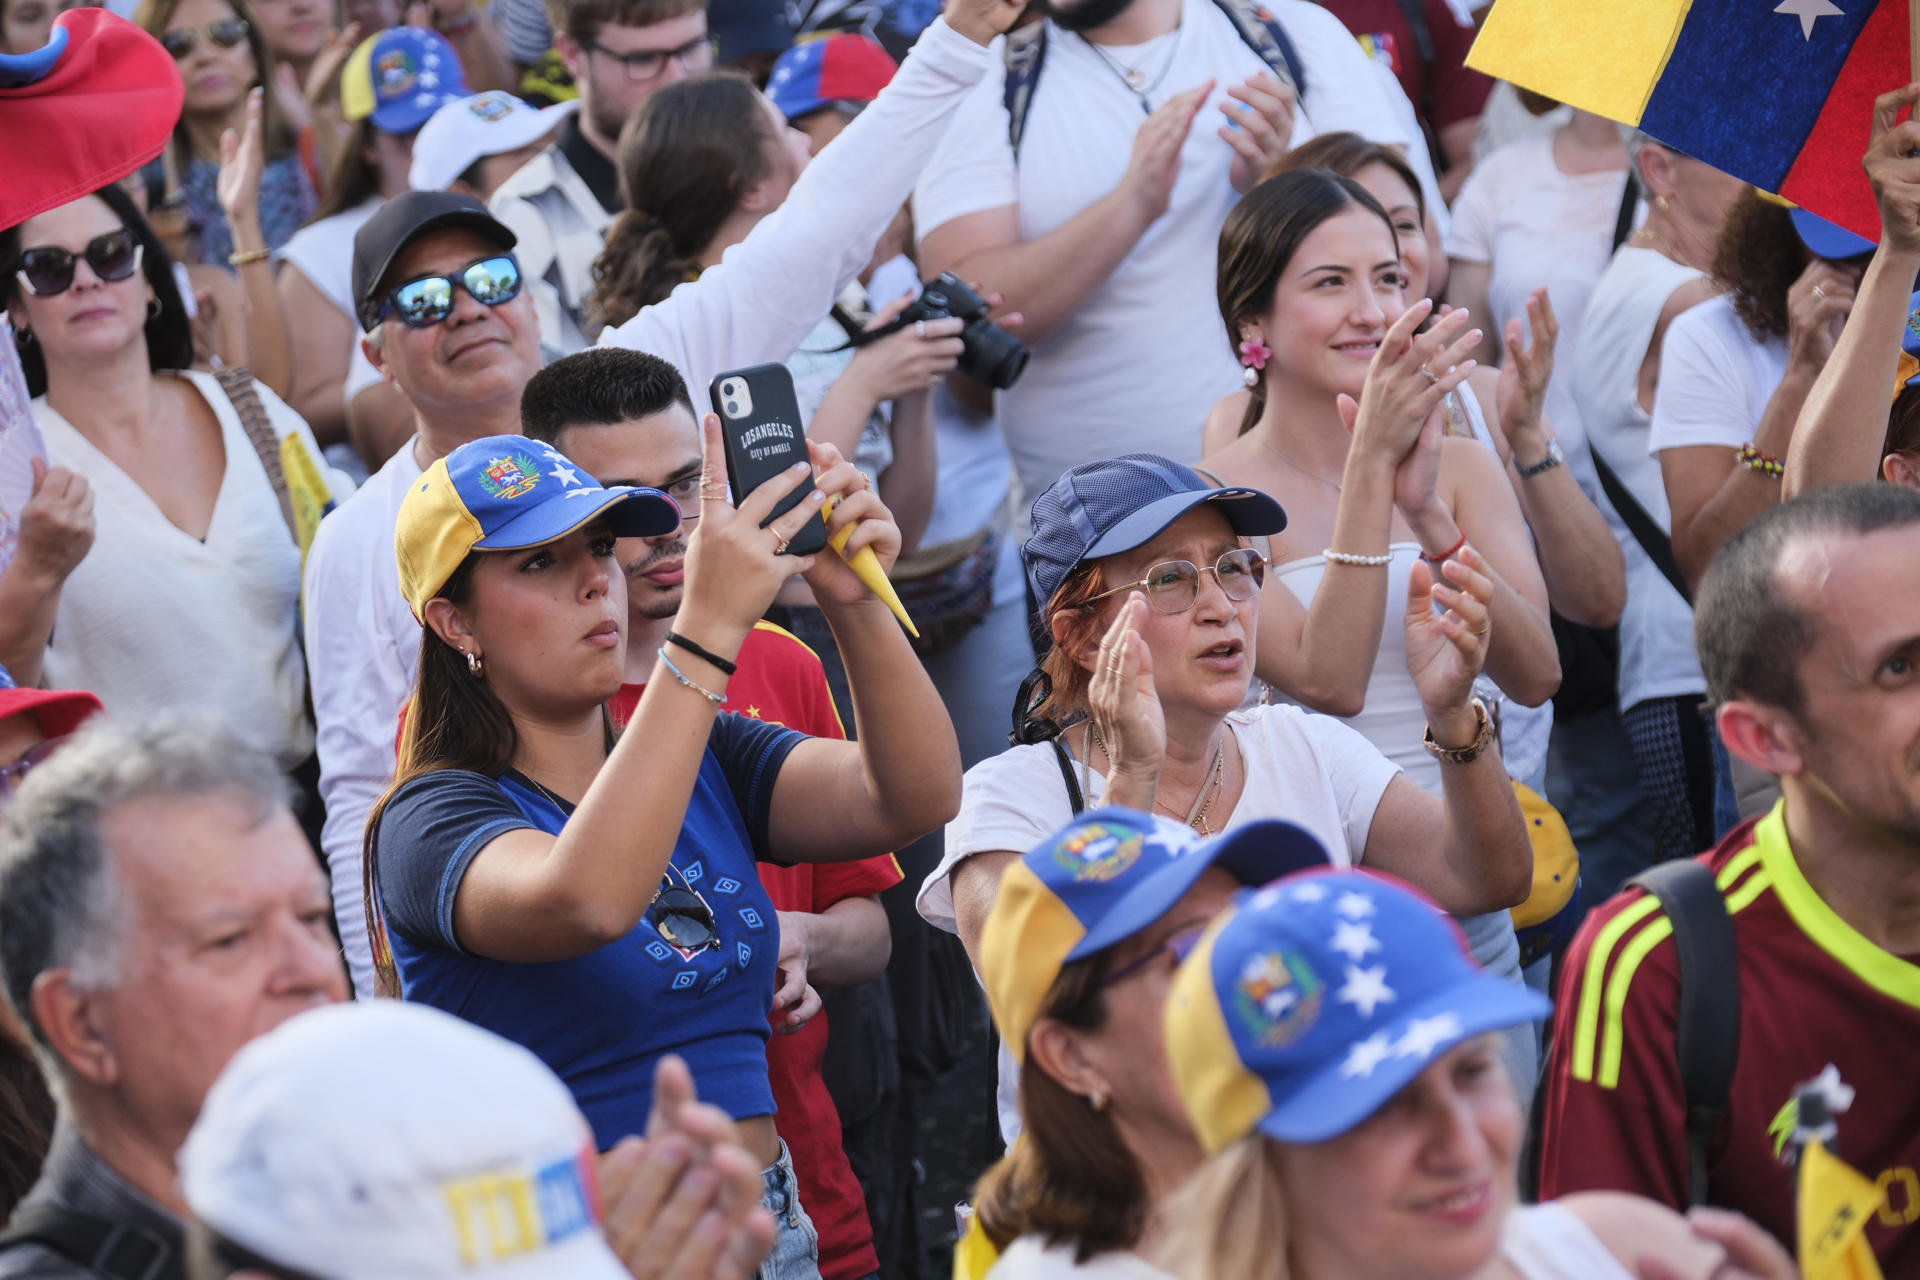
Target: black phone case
[(765, 442)]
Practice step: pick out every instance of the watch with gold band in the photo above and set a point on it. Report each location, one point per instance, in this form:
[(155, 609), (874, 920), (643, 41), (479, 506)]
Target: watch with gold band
[(1472, 751)]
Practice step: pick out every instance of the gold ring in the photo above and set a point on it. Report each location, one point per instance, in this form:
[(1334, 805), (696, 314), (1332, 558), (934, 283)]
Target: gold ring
[(779, 545), (1818, 294), (1430, 374), (1482, 631)]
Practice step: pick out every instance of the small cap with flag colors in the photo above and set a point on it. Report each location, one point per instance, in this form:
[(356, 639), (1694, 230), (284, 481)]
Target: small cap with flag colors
[(1308, 1004), (388, 1138), (469, 129), (1098, 881), (1116, 504), (504, 493), (843, 67), (399, 77), (1908, 374), (58, 712)]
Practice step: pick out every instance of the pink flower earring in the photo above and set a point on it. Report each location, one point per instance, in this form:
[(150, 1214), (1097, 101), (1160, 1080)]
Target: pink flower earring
[(1254, 355)]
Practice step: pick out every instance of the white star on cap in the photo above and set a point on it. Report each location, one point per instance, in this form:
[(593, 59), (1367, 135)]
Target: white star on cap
[(565, 474), (1366, 989), (1809, 11), (1309, 892), (583, 493), (422, 99), (1264, 899), (428, 80), (1354, 906), (1366, 1055), (1424, 1035), (1354, 940)]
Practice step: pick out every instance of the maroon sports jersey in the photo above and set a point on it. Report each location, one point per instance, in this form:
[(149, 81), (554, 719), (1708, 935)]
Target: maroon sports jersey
[(1813, 993)]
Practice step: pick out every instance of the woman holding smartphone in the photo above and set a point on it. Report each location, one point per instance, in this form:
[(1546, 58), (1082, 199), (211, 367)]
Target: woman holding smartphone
[(594, 897)]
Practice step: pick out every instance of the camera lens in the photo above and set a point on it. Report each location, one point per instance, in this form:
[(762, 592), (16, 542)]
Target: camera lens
[(992, 355), (733, 408)]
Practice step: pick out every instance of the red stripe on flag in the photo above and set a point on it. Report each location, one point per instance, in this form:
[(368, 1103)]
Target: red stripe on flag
[(1826, 176)]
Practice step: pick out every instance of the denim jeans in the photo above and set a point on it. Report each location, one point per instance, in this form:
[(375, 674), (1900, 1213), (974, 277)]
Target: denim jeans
[(796, 1246)]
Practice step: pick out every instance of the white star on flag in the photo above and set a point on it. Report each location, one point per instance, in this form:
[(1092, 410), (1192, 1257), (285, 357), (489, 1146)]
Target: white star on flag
[(1354, 906), (1366, 989), (565, 474), (1808, 11), (1354, 939), (1424, 1035), (1366, 1055), (1309, 892)]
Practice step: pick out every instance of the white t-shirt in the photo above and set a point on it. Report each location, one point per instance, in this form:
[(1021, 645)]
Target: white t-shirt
[(1715, 380), (1030, 1258), (1656, 629), (323, 252), (1550, 1242), (1138, 365), (154, 619), (1538, 226), (1309, 769)]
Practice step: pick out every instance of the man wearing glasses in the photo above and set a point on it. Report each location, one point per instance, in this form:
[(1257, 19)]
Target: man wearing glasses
[(562, 201)]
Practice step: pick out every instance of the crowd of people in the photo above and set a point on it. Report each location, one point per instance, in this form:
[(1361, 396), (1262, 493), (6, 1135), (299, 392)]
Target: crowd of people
[(1346, 634)]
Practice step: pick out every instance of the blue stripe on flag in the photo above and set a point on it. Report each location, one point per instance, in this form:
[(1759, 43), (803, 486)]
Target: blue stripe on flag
[(1744, 84)]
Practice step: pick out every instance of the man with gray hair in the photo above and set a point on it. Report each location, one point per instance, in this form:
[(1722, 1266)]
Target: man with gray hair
[(159, 908)]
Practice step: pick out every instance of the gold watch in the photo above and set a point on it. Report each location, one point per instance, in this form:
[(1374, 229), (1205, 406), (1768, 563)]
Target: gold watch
[(1469, 753)]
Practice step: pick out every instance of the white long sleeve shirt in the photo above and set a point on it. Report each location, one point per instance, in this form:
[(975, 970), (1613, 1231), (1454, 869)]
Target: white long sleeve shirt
[(755, 307)]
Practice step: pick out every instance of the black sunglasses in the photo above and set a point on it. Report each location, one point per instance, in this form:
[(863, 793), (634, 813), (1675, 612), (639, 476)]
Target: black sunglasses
[(679, 915), (225, 33), (429, 299), (48, 269)]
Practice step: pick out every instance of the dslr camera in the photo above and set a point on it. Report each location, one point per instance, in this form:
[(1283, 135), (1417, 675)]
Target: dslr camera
[(991, 355)]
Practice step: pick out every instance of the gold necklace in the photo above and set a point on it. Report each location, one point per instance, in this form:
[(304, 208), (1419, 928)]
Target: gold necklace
[(1274, 449), (1202, 801), (1666, 245), (558, 803)]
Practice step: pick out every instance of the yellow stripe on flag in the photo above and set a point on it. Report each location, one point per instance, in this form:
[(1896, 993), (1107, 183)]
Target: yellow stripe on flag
[(1836, 1203), (1602, 56)]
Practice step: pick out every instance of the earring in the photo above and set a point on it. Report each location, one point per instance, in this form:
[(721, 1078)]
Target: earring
[(23, 337), (473, 665), (1097, 1100), (1254, 354), (153, 308), (1662, 203)]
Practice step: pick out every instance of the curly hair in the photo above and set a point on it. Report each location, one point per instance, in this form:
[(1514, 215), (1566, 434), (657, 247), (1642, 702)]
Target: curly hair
[(1758, 258)]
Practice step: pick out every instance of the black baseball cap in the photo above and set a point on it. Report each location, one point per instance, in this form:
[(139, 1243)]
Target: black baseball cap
[(401, 221)]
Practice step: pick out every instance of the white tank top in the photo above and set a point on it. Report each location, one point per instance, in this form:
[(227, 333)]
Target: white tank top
[(1547, 1242)]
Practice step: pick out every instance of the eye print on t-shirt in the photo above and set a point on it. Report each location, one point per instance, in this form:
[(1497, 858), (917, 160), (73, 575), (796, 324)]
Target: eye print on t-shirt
[(701, 927)]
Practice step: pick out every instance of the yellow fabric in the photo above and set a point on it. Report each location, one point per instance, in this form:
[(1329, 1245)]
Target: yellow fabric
[(1556, 863), (1224, 1099), (1022, 948), (356, 82), (975, 1255), (431, 536), (866, 567), (1602, 56), (1835, 1203), (308, 489)]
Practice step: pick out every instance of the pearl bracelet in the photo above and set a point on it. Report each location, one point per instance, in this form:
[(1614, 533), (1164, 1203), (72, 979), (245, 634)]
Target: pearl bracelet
[(1365, 562)]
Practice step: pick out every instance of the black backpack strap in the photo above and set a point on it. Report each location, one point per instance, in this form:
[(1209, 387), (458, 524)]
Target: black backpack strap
[(110, 1249), (1064, 759), (1645, 529), (1707, 1027), (1266, 37)]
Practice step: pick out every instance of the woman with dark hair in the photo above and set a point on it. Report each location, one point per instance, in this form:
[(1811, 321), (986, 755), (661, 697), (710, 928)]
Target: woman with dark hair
[(1310, 265), (221, 57), (189, 593), (592, 896)]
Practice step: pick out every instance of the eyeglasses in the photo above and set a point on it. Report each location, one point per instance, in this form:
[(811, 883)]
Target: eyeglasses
[(46, 270), (680, 916), (1177, 945), (225, 33), (11, 774), (649, 64), (429, 299), (1173, 585), (685, 493)]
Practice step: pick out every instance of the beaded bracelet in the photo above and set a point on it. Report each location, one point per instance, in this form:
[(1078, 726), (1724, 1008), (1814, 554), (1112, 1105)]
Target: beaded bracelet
[(1754, 460), (702, 690), (249, 255), (1365, 562), (713, 659), (1449, 553)]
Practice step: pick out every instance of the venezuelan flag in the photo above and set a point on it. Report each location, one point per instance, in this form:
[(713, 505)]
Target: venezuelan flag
[(1776, 92)]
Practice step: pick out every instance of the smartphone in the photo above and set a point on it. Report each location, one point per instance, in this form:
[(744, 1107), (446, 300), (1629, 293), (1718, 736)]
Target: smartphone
[(760, 421)]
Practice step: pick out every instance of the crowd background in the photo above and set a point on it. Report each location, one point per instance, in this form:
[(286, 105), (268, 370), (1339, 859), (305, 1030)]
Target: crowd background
[(1441, 503)]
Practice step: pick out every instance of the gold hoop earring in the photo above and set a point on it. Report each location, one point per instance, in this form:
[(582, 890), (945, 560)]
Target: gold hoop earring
[(473, 665)]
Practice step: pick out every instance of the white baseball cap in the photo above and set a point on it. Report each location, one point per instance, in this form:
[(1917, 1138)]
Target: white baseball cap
[(473, 128), (384, 1139)]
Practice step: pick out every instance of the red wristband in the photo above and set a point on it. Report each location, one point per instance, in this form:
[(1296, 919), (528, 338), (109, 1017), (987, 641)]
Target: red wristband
[(1449, 553)]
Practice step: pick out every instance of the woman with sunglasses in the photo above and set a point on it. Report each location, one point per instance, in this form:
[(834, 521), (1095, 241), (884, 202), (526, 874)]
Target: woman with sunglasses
[(221, 57), (190, 590), (1153, 601), (591, 897)]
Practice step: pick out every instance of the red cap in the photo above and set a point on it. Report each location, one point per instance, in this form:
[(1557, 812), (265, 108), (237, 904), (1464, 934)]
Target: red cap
[(106, 107), (58, 711)]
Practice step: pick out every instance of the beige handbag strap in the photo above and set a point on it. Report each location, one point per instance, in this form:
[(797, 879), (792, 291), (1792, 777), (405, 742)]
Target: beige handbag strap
[(238, 384)]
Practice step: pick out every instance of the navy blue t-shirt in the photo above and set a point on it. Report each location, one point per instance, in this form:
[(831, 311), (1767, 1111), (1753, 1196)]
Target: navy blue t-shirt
[(602, 1020)]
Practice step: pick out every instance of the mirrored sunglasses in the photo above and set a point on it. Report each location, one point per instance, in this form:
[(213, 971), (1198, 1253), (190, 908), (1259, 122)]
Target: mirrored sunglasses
[(46, 270), (1173, 585), (429, 299), (680, 916), (225, 34)]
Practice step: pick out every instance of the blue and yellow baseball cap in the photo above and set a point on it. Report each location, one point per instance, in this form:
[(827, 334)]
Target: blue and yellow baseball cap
[(1309, 1003), (1100, 880), (1908, 374), (400, 77), (503, 493)]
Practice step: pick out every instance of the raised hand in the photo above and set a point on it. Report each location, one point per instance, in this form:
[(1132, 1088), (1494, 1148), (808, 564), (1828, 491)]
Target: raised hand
[(1524, 376), (830, 576), (1409, 376), (56, 525), (1154, 164), (1261, 133), (323, 77), (981, 20), (1893, 167), (242, 159), (1126, 708), (1817, 306), (1446, 650)]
